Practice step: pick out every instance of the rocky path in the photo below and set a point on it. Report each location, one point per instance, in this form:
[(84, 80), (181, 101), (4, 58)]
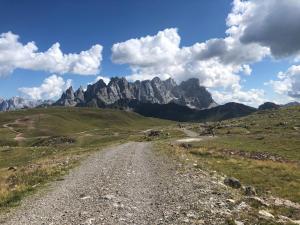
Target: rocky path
[(190, 133), (128, 184)]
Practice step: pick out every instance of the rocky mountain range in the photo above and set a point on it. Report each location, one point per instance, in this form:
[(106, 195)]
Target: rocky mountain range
[(15, 103), (187, 101), (119, 91)]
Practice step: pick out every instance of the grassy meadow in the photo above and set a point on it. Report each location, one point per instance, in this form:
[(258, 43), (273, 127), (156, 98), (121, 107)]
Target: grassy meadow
[(261, 150), (40, 145)]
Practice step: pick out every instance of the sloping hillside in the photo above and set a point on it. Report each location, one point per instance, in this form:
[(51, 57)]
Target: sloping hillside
[(39, 145), (176, 112), (262, 149), (67, 121)]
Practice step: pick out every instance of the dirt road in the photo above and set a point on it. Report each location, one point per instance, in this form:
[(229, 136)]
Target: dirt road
[(128, 184)]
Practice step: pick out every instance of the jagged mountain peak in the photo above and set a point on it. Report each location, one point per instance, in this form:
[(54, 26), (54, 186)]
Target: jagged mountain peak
[(70, 92), (188, 93), (99, 84), (118, 80), (192, 80), (192, 83), (156, 80), (170, 82), (80, 89)]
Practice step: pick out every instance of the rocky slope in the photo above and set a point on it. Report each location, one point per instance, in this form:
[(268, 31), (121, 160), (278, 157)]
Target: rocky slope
[(119, 91), (15, 103)]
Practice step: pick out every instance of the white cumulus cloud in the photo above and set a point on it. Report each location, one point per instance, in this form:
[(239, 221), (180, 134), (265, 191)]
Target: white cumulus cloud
[(14, 54), (148, 51), (252, 97), (217, 63), (52, 87), (255, 29), (270, 23), (288, 83)]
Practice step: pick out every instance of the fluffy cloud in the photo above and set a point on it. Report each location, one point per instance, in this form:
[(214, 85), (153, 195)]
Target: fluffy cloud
[(288, 82), (148, 51), (270, 23), (14, 54), (217, 63), (230, 51), (52, 87), (255, 29), (252, 97)]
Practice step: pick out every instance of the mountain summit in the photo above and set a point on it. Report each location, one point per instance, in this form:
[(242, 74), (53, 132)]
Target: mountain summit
[(156, 91)]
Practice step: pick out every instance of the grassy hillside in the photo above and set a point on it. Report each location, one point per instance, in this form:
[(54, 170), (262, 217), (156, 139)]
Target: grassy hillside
[(62, 121), (181, 113), (261, 150), (38, 145)]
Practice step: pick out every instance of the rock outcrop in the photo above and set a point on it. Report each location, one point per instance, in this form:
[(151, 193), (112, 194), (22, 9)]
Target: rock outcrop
[(155, 91), (71, 98)]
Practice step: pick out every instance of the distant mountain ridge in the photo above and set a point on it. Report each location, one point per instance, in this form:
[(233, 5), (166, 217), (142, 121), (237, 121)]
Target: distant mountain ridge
[(291, 104), (187, 101), (15, 103), (268, 106), (274, 106), (188, 93), (173, 111)]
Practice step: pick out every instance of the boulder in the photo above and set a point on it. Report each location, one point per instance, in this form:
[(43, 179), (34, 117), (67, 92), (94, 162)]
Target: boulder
[(249, 191), (12, 168), (154, 133), (232, 182), (265, 214), (186, 145)]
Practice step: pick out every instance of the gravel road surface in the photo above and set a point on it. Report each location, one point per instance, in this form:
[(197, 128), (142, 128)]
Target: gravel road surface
[(128, 184)]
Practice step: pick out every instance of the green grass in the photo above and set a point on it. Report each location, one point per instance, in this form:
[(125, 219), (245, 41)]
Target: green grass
[(261, 150), (272, 132), (45, 154), (284, 145)]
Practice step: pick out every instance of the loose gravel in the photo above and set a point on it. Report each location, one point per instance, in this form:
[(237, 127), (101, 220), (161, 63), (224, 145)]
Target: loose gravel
[(128, 184)]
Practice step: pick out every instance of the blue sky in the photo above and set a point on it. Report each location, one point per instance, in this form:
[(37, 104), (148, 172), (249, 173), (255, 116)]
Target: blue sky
[(79, 25)]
